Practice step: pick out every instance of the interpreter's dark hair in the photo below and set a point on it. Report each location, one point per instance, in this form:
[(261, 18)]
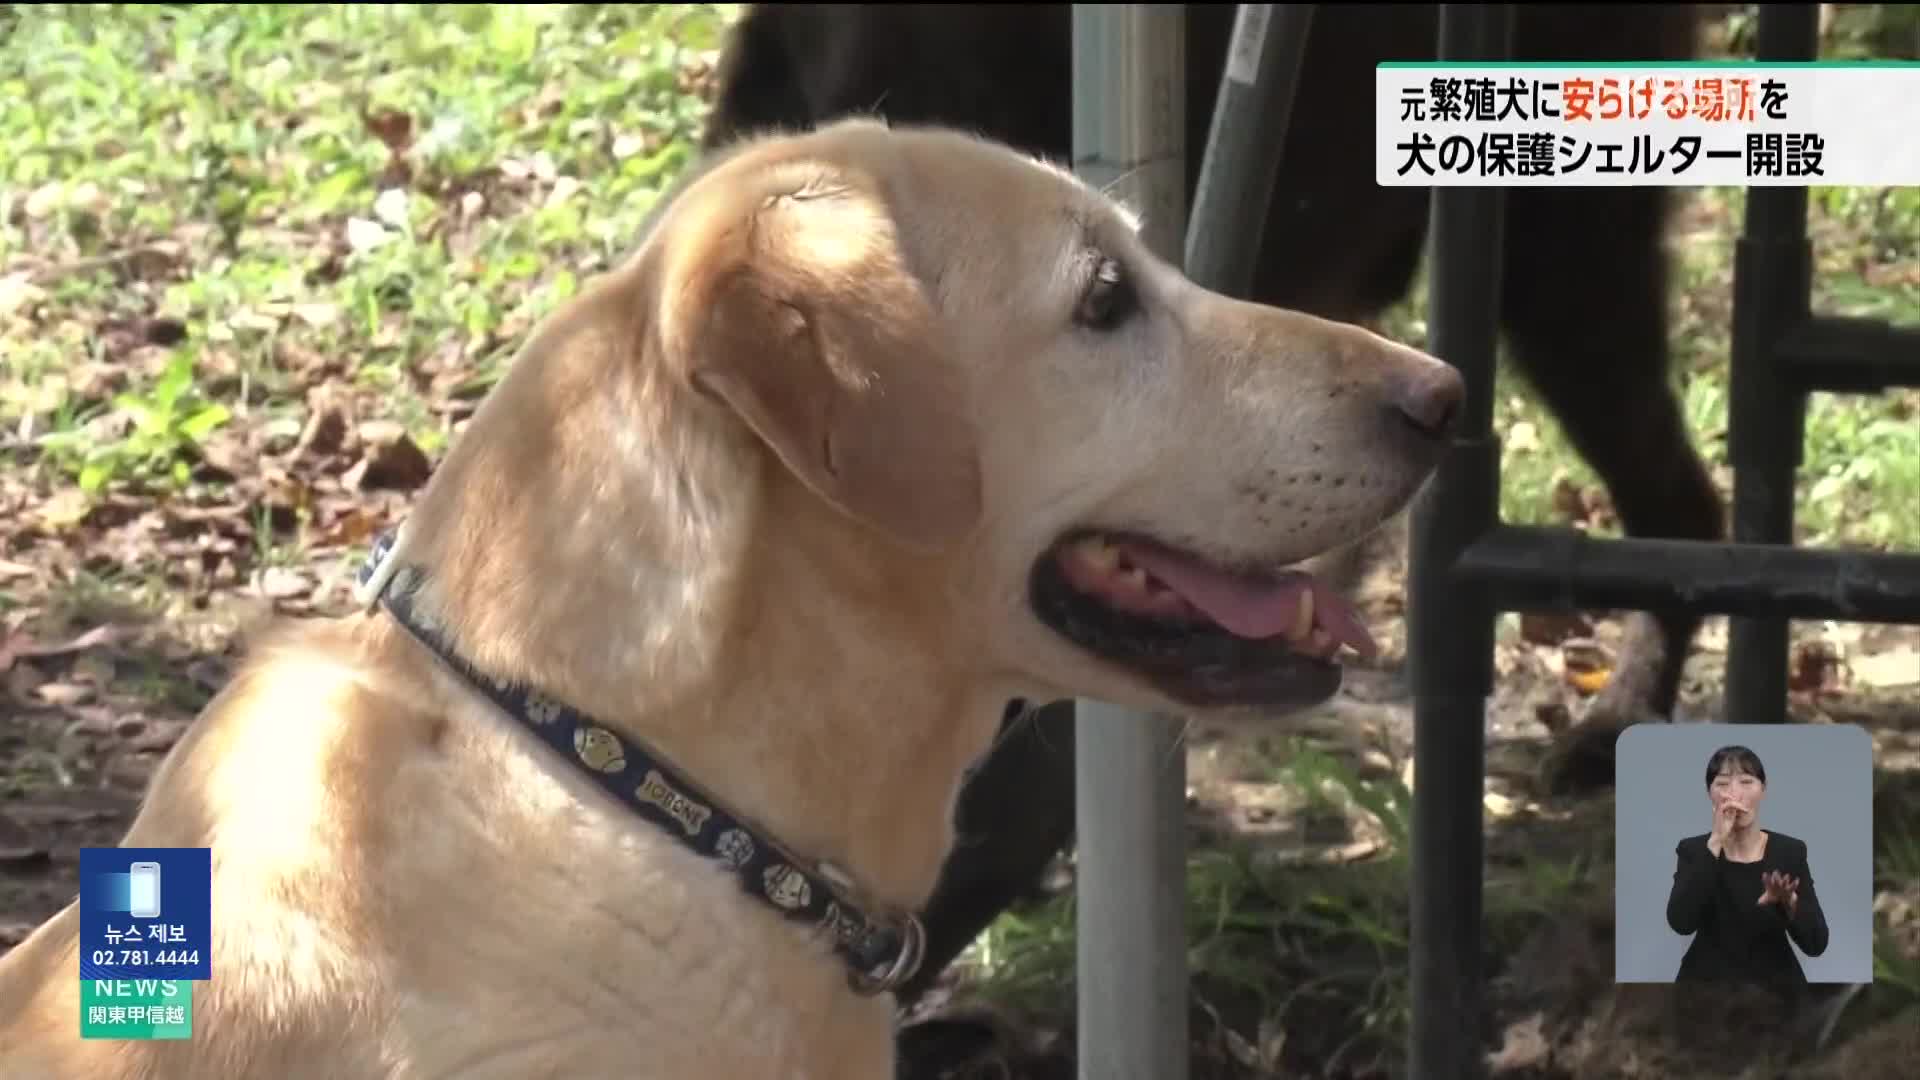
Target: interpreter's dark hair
[(1742, 760)]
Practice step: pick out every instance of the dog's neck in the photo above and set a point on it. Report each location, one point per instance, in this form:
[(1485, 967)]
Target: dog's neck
[(691, 594)]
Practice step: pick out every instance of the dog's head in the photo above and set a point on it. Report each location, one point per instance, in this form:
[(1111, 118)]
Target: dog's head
[(1105, 469)]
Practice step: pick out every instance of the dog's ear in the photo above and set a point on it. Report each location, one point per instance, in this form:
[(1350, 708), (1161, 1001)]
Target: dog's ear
[(802, 316)]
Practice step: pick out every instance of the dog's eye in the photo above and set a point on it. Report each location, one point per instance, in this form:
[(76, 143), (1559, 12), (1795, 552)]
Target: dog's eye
[(1109, 298)]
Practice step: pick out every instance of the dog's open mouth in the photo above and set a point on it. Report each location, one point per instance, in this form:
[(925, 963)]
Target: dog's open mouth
[(1202, 634)]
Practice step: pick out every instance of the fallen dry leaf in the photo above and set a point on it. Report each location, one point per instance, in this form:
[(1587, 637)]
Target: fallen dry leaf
[(122, 336), (208, 527), (1523, 1046), (281, 583), (263, 322), (98, 382), (221, 458), (23, 680), (285, 496), (1587, 664), (63, 695), (1898, 667), (355, 526), (317, 316), (17, 292), (326, 430), (564, 188), (1542, 628), (626, 145), (1599, 508), (392, 127), (67, 508), (382, 432), (390, 206), (159, 738), (310, 367), (393, 462), (18, 646), (365, 235), (1815, 667), (1566, 499), (1589, 682)]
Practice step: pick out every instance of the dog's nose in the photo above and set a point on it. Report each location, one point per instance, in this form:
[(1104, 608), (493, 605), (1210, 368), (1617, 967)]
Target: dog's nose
[(1429, 397)]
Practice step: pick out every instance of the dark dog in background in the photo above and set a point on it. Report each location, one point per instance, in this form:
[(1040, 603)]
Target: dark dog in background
[(1583, 303)]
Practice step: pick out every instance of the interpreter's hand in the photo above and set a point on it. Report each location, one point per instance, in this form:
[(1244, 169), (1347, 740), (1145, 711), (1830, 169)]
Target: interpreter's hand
[(1780, 888), (1725, 816)]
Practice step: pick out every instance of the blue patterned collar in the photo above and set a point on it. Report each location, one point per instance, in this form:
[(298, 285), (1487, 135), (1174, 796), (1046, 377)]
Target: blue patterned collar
[(882, 954)]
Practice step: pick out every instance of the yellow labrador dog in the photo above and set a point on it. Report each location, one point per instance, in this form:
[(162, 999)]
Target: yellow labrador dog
[(653, 737)]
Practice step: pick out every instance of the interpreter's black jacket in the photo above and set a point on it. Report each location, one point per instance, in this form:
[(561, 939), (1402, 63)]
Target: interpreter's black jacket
[(1735, 936)]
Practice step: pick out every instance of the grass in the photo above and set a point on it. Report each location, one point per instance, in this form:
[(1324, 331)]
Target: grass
[(380, 184)]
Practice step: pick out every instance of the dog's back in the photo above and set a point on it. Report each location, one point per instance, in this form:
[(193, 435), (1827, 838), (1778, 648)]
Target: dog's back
[(1006, 71)]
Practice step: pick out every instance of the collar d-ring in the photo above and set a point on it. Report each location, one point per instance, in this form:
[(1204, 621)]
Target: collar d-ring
[(913, 949)]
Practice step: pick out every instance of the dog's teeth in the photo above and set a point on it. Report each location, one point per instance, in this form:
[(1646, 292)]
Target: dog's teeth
[(1099, 555), (1303, 621), (1135, 579), (1320, 643)]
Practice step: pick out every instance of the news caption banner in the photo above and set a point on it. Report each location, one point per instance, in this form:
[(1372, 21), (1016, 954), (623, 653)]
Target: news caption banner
[(146, 936), (1693, 124)]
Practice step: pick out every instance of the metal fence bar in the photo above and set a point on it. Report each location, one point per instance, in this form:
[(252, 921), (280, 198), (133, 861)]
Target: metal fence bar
[(1532, 568), (1450, 625), (1250, 117), (1766, 413), (1129, 117), (1850, 354)]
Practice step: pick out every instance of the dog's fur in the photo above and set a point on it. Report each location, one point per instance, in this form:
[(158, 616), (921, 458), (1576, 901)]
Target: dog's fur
[(767, 496), (1583, 299)]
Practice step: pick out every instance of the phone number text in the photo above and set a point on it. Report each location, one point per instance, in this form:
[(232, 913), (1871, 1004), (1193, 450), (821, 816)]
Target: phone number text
[(144, 957)]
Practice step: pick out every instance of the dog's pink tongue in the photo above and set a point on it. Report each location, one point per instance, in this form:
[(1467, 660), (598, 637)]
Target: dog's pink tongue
[(1254, 609)]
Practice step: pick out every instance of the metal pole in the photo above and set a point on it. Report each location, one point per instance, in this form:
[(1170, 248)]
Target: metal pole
[(1250, 118), (1450, 626), (1129, 115), (1530, 568), (1766, 413)]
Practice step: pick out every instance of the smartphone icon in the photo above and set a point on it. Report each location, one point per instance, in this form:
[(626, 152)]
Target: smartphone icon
[(143, 892)]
